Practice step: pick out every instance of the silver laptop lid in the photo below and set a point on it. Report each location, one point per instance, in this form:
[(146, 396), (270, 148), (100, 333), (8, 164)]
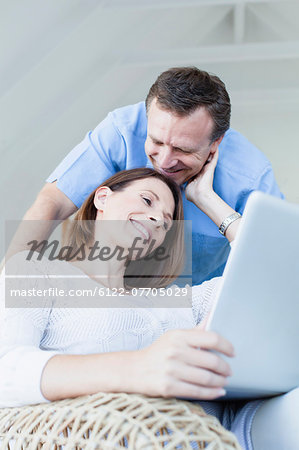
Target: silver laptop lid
[(258, 301)]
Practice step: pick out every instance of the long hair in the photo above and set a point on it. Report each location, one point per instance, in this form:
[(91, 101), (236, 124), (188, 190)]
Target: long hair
[(152, 272)]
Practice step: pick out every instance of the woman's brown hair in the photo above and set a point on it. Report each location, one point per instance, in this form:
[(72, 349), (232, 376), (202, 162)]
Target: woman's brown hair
[(154, 272)]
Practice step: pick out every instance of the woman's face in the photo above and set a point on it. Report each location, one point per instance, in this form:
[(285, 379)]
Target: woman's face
[(144, 209)]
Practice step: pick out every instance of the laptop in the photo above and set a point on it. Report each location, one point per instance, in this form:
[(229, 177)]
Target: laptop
[(257, 306)]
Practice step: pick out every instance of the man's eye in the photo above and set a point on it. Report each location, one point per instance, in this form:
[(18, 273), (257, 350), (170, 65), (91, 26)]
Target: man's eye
[(165, 226), (147, 200), (180, 150)]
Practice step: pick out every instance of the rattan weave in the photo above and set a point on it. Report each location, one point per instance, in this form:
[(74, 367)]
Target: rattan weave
[(113, 421)]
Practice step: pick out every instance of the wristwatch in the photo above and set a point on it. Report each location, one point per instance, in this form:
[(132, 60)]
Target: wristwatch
[(228, 221)]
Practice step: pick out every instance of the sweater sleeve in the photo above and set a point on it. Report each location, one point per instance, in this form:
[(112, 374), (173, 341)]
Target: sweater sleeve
[(21, 369), (21, 360), (203, 297)]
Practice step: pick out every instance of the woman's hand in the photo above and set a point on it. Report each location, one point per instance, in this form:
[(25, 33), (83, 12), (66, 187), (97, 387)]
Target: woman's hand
[(179, 364)]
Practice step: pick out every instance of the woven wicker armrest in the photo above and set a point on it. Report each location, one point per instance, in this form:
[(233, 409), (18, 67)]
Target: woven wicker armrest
[(113, 421)]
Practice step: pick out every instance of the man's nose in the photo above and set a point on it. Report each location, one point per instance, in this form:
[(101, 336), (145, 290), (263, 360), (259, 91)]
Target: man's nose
[(165, 158)]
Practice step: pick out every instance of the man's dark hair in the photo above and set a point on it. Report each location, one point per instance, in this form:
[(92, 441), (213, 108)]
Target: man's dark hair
[(184, 89)]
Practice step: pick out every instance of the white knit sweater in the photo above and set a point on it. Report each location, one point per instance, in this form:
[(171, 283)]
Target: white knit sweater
[(30, 336)]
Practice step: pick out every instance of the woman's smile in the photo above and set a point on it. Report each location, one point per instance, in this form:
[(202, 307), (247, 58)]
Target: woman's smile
[(141, 227)]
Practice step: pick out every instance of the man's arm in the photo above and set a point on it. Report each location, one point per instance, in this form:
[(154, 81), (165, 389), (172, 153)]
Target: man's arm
[(50, 208), (51, 204)]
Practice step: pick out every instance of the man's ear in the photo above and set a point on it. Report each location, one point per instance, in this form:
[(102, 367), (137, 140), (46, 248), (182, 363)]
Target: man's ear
[(216, 144), (100, 197)]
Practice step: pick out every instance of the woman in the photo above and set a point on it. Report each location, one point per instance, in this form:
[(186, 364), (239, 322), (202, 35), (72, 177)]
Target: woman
[(139, 219), (57, 352), (141, 203)]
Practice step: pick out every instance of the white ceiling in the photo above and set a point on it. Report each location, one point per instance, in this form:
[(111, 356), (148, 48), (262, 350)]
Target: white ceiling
[(66, 63)]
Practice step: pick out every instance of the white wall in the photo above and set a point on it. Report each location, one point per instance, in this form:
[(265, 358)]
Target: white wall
[(65, 65), (275, 132)]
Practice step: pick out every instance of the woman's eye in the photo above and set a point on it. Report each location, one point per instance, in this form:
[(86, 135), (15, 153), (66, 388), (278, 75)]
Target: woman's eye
[(147, 200)]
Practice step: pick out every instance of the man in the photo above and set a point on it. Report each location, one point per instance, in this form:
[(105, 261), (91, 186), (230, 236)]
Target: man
[(177, 131)]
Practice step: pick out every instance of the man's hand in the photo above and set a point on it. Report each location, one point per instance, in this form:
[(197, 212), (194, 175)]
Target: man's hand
[(200, 191), (202, 185)]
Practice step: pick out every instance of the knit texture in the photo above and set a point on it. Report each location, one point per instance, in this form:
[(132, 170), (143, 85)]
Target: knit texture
[(31, 336)]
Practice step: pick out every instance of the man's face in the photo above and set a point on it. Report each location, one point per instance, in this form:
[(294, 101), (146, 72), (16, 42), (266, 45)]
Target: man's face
[(179, 146)]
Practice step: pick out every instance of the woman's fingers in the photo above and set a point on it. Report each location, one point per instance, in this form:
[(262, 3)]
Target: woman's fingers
[(199, 376), (192, 391), (208, 340), (206, 360), (180, 363)]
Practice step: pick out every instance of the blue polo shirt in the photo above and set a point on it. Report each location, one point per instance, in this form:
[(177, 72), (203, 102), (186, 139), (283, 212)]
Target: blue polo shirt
[(117, 143)]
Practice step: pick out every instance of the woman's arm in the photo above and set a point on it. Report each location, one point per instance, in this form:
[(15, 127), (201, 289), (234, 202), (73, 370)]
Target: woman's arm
[(21, 360), (21, 331), (200, 192), (178, 364)]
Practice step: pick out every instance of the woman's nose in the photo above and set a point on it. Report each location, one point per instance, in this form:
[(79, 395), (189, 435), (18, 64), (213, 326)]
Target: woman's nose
[(156, 218)]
